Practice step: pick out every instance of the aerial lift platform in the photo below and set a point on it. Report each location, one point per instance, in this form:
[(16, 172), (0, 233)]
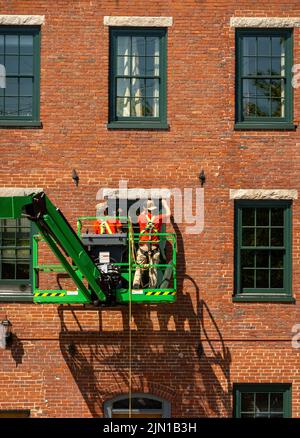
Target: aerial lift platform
[(101, 266)]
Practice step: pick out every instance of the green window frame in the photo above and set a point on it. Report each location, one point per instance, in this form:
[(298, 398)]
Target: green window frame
[(15, 259), (260, 400), (138, 70), (263, 251), (264, 92), (20, 55)]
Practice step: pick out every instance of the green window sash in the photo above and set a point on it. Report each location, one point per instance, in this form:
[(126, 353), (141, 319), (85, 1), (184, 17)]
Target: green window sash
[(20, 55), (137, 78), (264, 78), (263, 249)]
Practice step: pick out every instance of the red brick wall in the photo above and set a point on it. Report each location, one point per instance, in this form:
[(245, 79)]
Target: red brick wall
[(242, 342)]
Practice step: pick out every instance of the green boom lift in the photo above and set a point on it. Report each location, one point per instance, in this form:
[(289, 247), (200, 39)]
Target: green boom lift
[(79, 256)]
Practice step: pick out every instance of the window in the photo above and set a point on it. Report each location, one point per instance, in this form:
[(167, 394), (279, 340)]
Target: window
[(15, 258), (264, 82), (20, 53), (142, 406), (138, 78), (262, 401), (14, 413), (263, 250)]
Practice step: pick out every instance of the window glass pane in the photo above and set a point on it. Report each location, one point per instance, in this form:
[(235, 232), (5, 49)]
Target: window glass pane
[(248, 216), (26, 65), (276, 67), (12, 87), (249, 87), (263, 107), (123, 66), (11, 106), (152, 46), (137, 107), (123, 45), (26, 44), (247, 402), (8, 253), (248, 278), (277, 216), (12, 44), (262, 259), (247, 258), (1, 44), (277, 88), (262, 216), (277, 109), (25, 108), (262, 237), (139, 403), (277, 259), (276, 237), (8, 270), (138, 66), (262, 278), (276, 402), (248, 238), (123, 107), (8, 238), (249, 66), (249, 107), (263, 87), (277, 46), (262, 402), (152, 66), (22, 271), (2, 63), (138, 87), (152, 88), (263, 66), (263, 46), (138, 46), (23, 253), (249, 46), (26, 86), (123, 87), (151, 107), (277, 278), (12, 65), (1, 106)]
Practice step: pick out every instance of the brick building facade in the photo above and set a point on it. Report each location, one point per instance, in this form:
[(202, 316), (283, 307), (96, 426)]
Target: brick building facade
[(194, 354)]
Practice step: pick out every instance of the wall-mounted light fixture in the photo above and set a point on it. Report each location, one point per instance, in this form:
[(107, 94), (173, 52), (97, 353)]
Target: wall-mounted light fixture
[(5, 333), (75, 177), (202, 177)]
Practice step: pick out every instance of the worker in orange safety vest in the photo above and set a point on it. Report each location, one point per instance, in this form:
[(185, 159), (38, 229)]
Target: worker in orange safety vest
[(108, 226), (148, 251)]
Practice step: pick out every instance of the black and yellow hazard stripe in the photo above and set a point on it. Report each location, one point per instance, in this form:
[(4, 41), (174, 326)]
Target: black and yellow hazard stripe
[(157, 293), (49, 294)]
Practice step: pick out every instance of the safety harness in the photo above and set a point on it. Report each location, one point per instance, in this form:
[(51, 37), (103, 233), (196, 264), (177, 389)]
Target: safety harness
[(104, 227), (152, 230)]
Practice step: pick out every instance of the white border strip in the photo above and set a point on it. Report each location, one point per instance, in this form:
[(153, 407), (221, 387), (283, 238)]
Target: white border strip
[(138, 21), (17, 191), (265, 22), (263, 194), (28, 20), (136, 193)]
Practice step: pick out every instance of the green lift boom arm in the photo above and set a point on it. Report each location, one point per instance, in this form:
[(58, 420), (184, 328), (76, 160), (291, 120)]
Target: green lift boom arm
[(59, 235)]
